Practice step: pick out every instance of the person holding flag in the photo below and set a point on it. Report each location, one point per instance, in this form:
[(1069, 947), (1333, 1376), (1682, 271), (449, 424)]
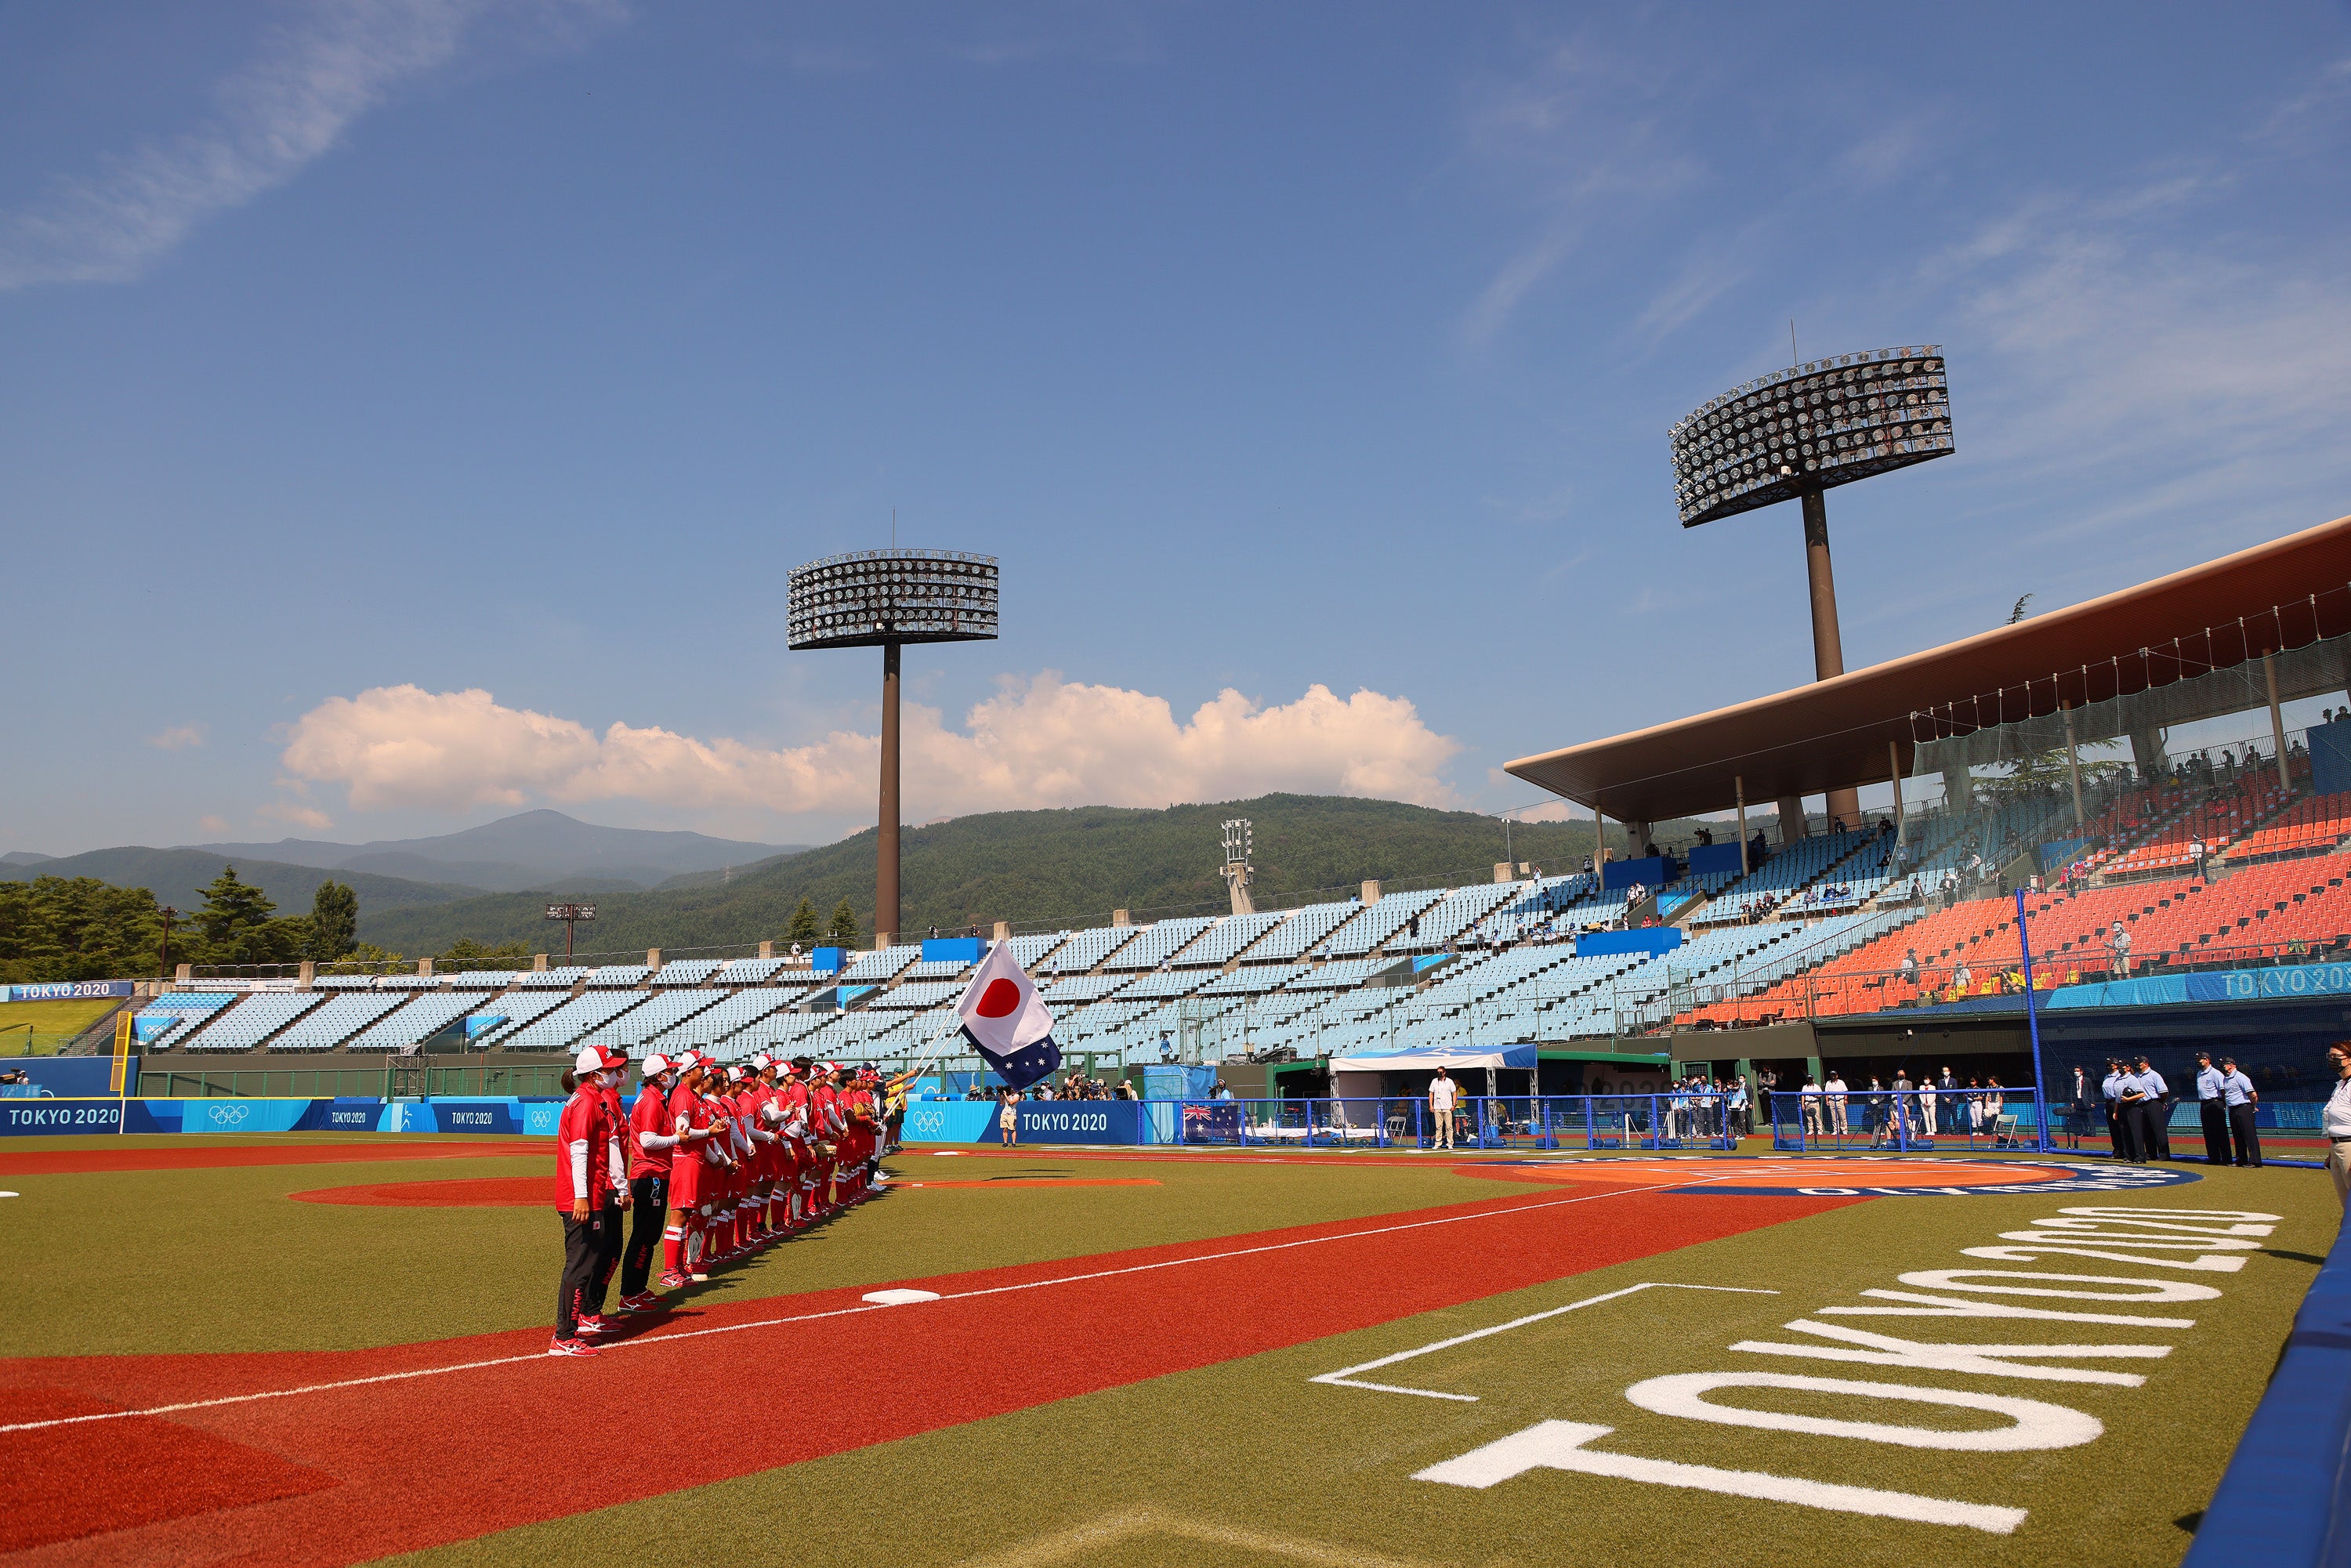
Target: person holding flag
[(1006, 1021)]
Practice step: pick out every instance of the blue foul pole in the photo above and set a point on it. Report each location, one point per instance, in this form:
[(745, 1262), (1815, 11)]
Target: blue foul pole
[(2032, 1026)]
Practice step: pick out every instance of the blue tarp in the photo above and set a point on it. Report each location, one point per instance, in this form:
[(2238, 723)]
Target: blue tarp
[(953, 950), (1619, 875), (1649, 939), (1710, 858)]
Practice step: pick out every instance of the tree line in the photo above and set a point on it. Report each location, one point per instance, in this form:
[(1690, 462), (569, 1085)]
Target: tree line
[(57, 928)]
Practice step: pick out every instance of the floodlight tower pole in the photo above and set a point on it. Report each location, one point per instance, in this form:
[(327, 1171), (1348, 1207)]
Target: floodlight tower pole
[(1828, 643), (886, 864)]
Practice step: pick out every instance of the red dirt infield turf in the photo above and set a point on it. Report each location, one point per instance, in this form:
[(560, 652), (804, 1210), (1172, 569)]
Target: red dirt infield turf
[(469, 1192), (1039, 1181), (68, 1161), (403, 1485)]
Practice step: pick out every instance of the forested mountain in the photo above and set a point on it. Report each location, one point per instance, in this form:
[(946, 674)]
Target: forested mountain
[(1039, 869)]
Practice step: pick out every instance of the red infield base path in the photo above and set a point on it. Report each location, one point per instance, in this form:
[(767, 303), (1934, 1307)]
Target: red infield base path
[(418, 1445)]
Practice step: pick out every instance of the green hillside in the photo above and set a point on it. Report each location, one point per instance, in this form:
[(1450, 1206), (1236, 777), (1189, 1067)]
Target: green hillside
[(178, 877), (1041, 870)]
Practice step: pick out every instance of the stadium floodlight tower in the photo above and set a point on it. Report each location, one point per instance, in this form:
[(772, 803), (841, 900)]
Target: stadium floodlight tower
[(885, 599), (1796, 434)]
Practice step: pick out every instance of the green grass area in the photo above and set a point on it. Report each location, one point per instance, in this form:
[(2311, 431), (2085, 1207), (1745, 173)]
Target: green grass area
[(223, 1259), (1251, 1462), (49, 1024)]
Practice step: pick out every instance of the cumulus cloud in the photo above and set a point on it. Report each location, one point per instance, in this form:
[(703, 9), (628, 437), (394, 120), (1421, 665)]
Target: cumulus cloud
[(215, 825), (1036, 743), (285, 108), (294, 814), (178, 738)]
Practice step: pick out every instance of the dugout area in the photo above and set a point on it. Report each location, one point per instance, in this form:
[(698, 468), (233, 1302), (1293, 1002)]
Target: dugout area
[(1222, 1358)]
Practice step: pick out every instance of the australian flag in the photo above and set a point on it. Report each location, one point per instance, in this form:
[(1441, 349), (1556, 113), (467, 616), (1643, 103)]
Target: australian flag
[(1006, 1021)]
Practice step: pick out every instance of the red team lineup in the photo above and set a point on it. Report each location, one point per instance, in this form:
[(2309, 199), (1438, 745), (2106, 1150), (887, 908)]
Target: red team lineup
[(717, 1162)]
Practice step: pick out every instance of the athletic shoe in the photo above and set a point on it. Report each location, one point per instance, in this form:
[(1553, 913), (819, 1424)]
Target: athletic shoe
[(673, 1280), (569, 1348), (589, 1325)]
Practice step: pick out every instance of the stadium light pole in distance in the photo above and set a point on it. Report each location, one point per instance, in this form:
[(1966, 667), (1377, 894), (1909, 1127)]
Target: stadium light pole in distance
[(885, 599), (1798, 434)]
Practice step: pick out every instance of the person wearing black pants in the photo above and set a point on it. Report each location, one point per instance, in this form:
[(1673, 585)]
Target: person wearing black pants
[(2237, 1092), (650, 1195), (580, 1228), (2155, 1112), (2122, 1132), (2211, 1110)]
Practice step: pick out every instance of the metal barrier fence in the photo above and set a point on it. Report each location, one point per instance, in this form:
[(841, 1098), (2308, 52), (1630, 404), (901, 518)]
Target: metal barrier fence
[(398, 1081), (1671, 1120), (1972, 1120)]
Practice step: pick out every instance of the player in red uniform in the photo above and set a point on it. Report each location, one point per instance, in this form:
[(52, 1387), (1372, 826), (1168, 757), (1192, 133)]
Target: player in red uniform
[(587, 1160), (613, 1229), (792, 1096), (765, 1116), (694, 1172), (648, 1149), (825, 1125)]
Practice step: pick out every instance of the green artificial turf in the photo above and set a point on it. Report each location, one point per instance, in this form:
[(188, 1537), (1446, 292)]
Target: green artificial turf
[(1249, 1462), (223, 1259)]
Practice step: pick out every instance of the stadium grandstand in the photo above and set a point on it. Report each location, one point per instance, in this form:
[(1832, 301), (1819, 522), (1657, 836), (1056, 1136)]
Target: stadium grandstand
[(1798, 937)]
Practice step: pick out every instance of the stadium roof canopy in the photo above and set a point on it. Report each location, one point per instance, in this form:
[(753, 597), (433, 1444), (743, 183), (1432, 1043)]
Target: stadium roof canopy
[(1835, 733)]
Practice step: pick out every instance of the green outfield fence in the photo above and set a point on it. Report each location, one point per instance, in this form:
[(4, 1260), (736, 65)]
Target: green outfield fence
[(398, 1080)]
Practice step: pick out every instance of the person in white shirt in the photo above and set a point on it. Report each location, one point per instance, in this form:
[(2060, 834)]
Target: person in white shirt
[(2336, 1123), (1836, 1088), (2238, 1098), (2119, 943), (1443, 1094), (1810, 1098), (2211, 1108), (1926, 1106)]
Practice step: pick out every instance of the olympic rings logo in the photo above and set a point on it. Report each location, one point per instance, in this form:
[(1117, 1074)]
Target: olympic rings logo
[(922, 1123), (228, 1116)]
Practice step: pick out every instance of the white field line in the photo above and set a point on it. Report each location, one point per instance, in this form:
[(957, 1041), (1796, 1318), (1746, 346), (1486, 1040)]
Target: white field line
[(838, 1312), (1345, 1376)]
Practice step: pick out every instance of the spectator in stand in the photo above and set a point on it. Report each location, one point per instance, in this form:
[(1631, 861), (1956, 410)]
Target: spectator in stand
[(2196, 853), (1961, 978), (2118, 944), (2237, 1097), (1910, 970)]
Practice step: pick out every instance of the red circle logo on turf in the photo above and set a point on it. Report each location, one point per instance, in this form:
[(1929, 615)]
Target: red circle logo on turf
[(1000, 997)]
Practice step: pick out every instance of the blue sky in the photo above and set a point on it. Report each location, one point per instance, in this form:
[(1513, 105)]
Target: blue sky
[(361, 357)]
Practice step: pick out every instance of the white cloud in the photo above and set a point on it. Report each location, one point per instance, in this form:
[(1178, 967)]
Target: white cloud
[(293, 814), (211, 826), (178, 738), (2120, 349), (284, 109), (1037, 742)]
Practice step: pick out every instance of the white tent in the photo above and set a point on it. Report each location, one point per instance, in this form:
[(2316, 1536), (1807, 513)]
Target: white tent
[(1453, 1059)]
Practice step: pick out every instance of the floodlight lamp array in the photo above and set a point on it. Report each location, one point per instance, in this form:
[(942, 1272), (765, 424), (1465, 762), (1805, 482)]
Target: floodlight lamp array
[(871, 598), (1811, 427)]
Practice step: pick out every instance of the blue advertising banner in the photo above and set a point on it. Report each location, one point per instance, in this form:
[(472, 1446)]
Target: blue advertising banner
[(23, 1118), (1081, 1122), (2282, 983), (70, 1077), (68, 991), (950, 1121)]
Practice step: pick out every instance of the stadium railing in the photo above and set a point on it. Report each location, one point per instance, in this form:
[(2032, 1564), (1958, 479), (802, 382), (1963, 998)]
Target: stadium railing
[(2001, 1117)]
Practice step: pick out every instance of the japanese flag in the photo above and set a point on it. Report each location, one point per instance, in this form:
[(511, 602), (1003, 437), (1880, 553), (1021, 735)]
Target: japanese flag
[(1006, 1021)]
